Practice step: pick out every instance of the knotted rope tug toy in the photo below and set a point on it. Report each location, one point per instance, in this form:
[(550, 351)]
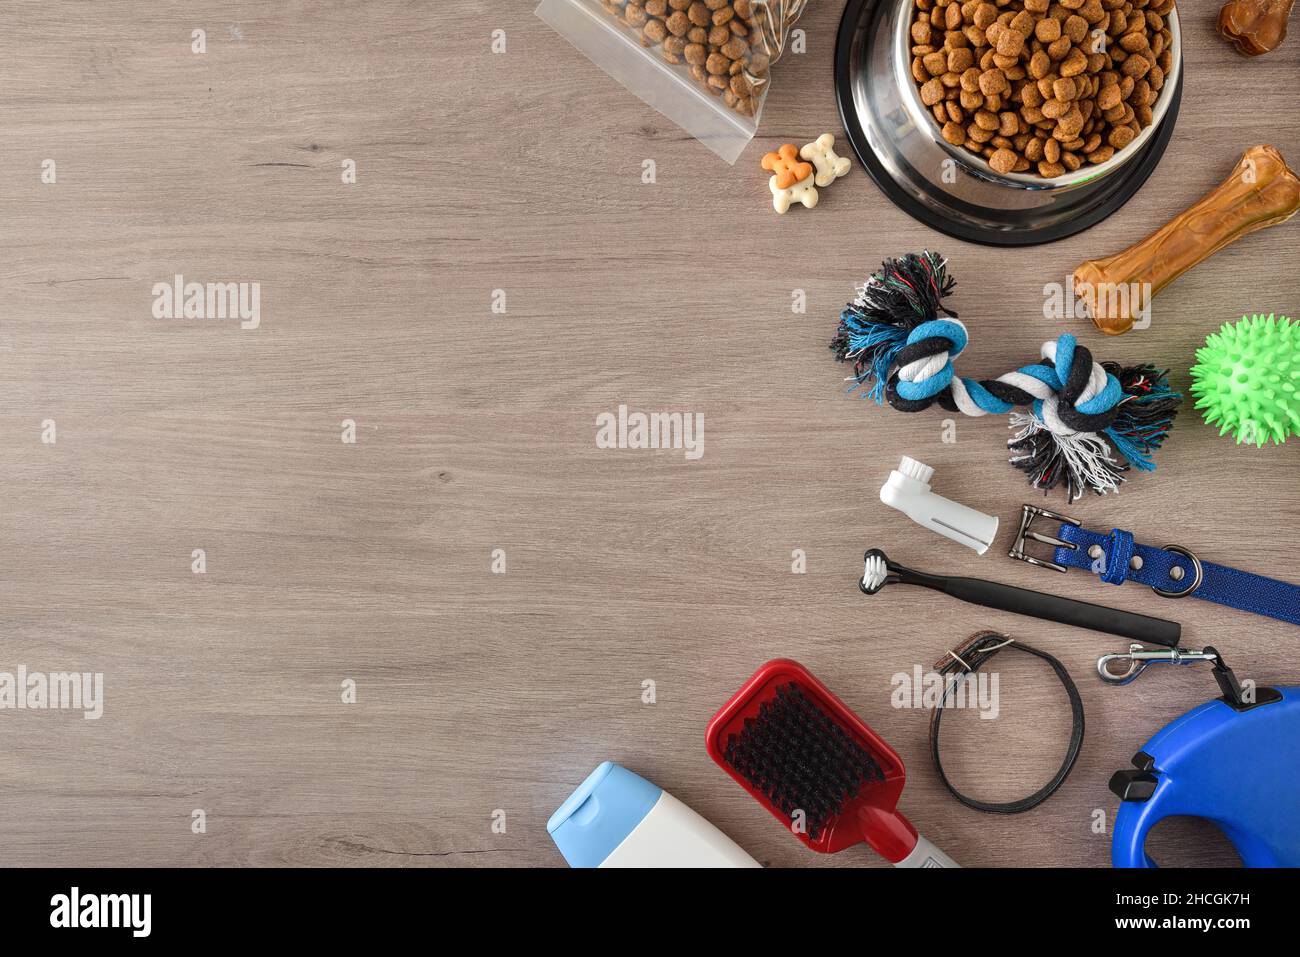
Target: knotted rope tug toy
[(902, 341)]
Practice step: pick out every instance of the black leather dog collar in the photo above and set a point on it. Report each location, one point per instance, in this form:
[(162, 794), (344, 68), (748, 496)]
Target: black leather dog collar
[(968, 658)]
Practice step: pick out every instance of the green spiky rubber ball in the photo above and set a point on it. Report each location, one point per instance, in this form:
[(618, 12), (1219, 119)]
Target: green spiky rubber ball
[(1247, 379)]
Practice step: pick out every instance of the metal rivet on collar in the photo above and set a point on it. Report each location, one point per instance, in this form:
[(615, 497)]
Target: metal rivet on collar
[(1177, 573), (1135, 562), (1094, 551)]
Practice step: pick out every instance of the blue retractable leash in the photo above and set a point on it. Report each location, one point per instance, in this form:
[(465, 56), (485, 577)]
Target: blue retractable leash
[(1234, 760), (1236, 764)]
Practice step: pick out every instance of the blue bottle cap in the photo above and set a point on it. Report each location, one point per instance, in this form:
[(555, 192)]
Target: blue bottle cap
[(600, 814)]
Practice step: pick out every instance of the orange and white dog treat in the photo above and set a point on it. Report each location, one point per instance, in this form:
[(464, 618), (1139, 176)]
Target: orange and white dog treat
[(801, 192), (785, 167), (791, 180)]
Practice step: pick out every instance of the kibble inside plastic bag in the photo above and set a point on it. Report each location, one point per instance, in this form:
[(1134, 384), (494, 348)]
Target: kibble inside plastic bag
[(705, 64)]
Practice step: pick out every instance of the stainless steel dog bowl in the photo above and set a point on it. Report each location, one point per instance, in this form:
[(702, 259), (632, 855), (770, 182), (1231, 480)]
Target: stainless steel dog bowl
[(950, 188)]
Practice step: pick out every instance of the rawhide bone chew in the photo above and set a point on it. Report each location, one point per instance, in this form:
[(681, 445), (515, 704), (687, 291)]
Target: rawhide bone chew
[(1262, 191), (1255, 27), (1076, 411)]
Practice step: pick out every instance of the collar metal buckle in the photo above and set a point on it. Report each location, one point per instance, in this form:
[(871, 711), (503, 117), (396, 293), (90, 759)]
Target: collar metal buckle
[(1027, 515)]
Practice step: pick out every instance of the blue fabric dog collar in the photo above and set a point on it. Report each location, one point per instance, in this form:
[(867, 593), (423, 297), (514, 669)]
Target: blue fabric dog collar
[(1172, 571)]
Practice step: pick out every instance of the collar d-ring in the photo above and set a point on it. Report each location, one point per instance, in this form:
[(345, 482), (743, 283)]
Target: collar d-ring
[(1198, 574)]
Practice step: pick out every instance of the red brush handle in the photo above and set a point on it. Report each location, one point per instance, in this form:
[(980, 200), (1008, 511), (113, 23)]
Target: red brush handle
[(889, 833)]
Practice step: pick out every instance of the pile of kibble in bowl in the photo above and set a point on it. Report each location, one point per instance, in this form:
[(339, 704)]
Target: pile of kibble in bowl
[(1041, 86)]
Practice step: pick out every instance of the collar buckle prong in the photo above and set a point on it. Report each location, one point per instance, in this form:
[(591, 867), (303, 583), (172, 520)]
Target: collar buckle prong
[(1027, 515)]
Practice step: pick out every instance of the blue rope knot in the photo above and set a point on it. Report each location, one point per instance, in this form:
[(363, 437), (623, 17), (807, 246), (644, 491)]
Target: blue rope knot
[(955, 334), (949, 339)]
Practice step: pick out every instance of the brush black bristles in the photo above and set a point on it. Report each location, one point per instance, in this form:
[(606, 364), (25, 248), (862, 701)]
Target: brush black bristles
[(800, 759)]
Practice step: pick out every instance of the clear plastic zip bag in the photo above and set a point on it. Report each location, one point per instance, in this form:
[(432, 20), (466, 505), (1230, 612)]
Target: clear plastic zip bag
[(704, 64)]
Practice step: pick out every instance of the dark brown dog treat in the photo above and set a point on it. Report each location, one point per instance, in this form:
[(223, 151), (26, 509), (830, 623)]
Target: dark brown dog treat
[(735, 49), (993, 82), (1101, 154), (1059, 47), (1003, 160), (1120, 137), (960, 60)]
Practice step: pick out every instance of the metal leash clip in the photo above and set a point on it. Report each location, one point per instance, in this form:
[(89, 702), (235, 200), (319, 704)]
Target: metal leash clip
[(1139, 656)]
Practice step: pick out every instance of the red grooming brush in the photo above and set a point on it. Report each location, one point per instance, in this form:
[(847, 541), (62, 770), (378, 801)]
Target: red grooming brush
[(816, 766)]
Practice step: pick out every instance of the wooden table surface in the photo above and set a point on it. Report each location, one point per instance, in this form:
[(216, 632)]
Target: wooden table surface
[(485, 696)]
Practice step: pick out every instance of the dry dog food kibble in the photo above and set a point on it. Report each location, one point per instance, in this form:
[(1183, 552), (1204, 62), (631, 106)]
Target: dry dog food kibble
[(724, 44), (1041, 86)]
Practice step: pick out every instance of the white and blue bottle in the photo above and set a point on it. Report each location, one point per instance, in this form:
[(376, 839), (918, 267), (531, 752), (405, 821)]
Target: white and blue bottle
[(619, 819)]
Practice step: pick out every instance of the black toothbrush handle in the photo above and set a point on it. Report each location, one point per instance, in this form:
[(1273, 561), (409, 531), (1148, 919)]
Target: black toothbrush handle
[(1022, 601), (1081, 614)]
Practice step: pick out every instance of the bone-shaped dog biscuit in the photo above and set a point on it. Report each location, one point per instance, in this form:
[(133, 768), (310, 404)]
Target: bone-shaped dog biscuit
[(821, 153), (801, 192), (1262, 191), (785, 166)]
